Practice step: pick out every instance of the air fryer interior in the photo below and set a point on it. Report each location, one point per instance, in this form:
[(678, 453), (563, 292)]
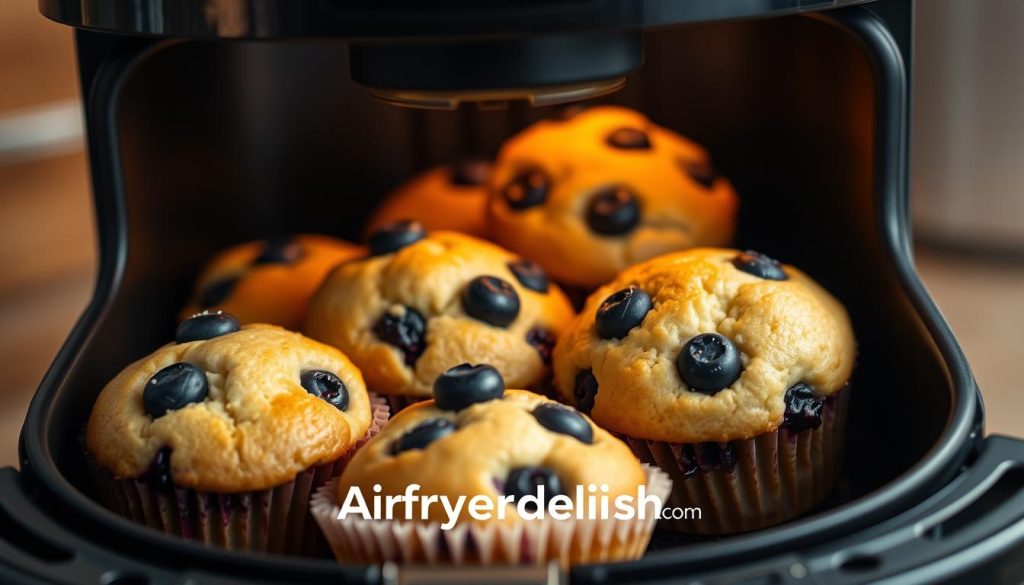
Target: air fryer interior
[(229, 141)]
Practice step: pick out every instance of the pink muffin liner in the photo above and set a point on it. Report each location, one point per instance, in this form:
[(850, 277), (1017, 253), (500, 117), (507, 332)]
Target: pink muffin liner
[(570, 542), (745, 485), (274, 520)]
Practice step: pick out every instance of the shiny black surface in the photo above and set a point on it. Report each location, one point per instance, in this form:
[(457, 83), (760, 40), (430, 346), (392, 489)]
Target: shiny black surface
[(400, 18)]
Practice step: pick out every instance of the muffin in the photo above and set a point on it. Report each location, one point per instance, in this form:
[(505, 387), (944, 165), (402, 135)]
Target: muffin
[(476, 440), (222, 436), (450, 197), (589, 196), (421, 304), (269, 281), (728, 370)]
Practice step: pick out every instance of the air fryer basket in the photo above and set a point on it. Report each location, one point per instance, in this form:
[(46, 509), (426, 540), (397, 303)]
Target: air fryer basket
[(193, 148)]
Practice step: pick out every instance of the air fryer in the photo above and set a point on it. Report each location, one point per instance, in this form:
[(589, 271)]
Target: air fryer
[(213, 122)]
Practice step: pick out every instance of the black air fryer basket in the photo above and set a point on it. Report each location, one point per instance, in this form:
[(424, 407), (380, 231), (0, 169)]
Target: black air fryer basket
[(216, 121)]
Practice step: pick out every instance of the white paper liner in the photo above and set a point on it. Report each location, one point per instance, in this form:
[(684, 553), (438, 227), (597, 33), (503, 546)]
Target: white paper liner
[(570, 542), (776, 477), (275, 520)]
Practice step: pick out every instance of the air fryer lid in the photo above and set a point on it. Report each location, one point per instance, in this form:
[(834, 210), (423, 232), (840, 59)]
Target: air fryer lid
[(440, 54), (401, 19)]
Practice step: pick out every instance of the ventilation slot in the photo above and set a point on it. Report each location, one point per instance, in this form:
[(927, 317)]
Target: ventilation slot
[(1007, 486)]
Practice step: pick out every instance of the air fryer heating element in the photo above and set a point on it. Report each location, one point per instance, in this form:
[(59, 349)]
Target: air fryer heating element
[(259, 111)]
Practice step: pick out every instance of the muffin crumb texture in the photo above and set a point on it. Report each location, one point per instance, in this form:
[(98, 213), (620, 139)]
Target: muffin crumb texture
[(244, 418), (711, 356), (433, 302)]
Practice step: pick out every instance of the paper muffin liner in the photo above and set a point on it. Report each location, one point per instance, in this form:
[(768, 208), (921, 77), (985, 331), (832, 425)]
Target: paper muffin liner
[(750, 484), (274, 520), (570, 542), (399, 402)]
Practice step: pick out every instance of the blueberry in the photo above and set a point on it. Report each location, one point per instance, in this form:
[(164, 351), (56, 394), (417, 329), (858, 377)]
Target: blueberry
[(711, 456), (279, 251), (327, 386), (470, 173), (205, 326), (524, 481), (394, 236), (467, 384), (702, 171), (803, 408), (565, 421), (159, 471), (613, 211), (407, 332), (709, 363), (542, 340), (585, 391), (217, 291), (720, 455), (629, 139), (759, 265), (530, 275), (621, 312), (529, 188), (688, 460), (491, 300), (707, 457), (174, 387), (423, 434)]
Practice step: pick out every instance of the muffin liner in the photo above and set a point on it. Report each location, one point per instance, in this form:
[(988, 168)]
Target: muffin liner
[(274, 520), (399, 402), (754, 483), (570, 542)]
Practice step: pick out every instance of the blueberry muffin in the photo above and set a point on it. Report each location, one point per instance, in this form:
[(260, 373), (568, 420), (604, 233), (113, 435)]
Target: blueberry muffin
[(269, 281), (589, 196), (421, 304), (450, 197), (221, 435), (726, 369), (478, 440)]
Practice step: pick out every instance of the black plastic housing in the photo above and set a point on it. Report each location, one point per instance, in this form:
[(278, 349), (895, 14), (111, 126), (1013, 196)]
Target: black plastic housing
[(197, 144)]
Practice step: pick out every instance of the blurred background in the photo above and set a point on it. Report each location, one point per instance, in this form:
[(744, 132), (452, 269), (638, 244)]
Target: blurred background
[(967, 195)]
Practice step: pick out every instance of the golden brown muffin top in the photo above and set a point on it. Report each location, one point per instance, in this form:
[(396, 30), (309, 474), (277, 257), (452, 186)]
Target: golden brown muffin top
[(449, 197), (269, 281), (257, 426), (660, 368), (488, 445), (406, 316), (608, 188)]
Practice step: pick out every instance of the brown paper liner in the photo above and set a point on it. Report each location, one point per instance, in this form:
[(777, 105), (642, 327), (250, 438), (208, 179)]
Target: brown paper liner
[(570, 542), (398, 402), (750, 484), (274, 520)]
